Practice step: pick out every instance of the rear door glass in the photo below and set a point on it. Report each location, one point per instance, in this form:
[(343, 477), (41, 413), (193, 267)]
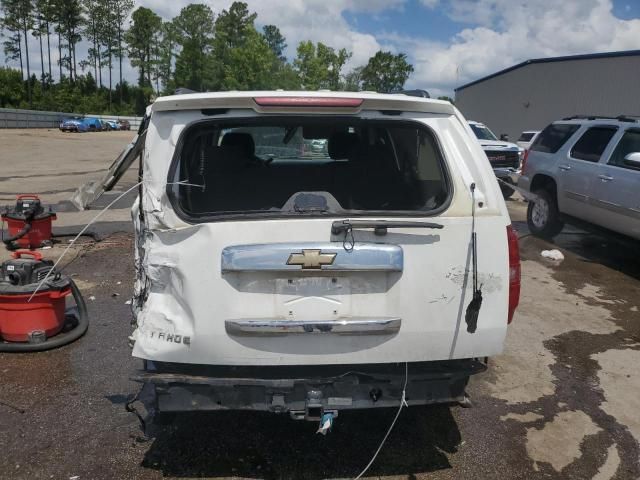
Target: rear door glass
[(629, 143), (312, 166), (592, 143), (552, 138), (525, 137)]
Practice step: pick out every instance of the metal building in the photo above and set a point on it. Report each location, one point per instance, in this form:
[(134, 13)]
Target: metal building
[(532, 94)]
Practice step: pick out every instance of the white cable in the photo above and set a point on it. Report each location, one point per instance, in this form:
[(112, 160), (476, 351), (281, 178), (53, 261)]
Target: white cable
[(403, 403), (72, 242)]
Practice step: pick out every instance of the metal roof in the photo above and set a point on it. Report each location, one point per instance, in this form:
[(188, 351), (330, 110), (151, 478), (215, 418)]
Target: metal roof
[(589, 56)]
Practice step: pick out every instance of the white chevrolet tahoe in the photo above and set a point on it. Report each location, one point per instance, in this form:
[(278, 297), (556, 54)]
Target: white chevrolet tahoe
[(273, 277), (503, 156), (585, 171)]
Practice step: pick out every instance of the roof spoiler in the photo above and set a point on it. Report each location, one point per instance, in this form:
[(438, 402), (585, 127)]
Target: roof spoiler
[(413, 93), (184, 91)]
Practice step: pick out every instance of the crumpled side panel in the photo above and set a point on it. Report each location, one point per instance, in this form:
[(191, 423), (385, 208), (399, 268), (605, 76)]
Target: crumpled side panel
[(165, 323)]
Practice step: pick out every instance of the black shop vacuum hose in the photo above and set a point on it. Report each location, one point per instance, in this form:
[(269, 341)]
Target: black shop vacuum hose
[(60, 339)]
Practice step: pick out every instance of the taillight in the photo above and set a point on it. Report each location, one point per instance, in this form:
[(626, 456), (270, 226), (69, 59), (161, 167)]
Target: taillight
[(524, 160), (514, 271)]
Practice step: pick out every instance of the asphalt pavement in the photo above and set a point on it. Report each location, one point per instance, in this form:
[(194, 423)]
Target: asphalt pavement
[(562, 402)]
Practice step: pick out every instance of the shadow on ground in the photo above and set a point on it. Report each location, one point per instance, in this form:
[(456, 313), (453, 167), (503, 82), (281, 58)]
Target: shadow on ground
[(264, 445)]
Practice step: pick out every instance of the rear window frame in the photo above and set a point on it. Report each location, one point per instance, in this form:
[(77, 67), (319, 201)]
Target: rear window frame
[(171, 189), (614, 128), (529, 136), (576, 128), (633, 130)]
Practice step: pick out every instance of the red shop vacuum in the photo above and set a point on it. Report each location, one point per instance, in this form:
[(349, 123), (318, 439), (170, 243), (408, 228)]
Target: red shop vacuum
[(28, 223), (43, 322)]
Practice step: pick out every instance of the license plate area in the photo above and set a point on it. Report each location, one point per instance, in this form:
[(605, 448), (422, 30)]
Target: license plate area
[(313, 298)]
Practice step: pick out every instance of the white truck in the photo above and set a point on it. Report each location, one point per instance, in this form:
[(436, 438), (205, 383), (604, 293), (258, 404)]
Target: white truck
[(505, 157), (274, 278)]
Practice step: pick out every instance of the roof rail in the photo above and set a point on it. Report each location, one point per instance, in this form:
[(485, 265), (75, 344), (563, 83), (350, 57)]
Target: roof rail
[(620, 118), (413, 93)]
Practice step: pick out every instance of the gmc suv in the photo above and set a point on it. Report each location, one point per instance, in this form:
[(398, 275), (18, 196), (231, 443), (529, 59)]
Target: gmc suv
[(585, 170)]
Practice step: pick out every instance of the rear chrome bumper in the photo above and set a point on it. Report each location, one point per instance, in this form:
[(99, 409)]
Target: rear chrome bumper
[(305, 392), (351, 326)]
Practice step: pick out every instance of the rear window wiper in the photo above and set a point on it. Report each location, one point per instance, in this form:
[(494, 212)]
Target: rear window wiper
[(380, 227)]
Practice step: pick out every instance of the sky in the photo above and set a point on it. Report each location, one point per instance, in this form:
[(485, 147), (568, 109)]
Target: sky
[(449, 42)]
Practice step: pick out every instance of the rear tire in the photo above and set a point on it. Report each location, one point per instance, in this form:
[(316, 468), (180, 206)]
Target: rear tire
[(543, 217)]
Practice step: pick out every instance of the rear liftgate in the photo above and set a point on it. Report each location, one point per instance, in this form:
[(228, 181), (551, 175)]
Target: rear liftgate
[(313, 287)]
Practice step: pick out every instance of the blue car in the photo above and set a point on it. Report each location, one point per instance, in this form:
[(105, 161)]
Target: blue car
[(111, 125), (93, 124), (74, 124)]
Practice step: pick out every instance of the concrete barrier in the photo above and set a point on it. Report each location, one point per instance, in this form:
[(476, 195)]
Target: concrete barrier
[(15, 118)]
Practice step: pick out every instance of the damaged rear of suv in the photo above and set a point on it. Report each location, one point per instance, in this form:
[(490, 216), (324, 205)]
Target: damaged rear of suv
[(275, 277)]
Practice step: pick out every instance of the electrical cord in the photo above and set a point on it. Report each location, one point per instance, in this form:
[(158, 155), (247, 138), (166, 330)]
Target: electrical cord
[(403, 403), (349, 241), (84, 229)]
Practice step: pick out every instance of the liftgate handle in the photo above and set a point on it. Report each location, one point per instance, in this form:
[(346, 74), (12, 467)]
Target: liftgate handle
[(19, 253)]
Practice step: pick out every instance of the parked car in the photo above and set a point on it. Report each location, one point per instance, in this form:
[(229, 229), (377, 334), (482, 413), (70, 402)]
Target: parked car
[(93, 124), (503, 156), (526, 138), (111, 125), (284, 282), (319, 146), (586, 171), (73, 124), (124, 124)]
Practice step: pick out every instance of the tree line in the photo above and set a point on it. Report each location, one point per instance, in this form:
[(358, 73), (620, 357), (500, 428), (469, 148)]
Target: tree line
[(198, 49)]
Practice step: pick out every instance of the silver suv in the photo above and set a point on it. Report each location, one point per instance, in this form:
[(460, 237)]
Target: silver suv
[(585, 170)]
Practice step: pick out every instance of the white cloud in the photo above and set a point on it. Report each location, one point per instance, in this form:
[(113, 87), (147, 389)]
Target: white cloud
[(430, 3), (502, 32), (316, 20), (508, 33)]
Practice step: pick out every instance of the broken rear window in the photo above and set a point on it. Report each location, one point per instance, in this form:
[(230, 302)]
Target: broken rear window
[(270, 165)]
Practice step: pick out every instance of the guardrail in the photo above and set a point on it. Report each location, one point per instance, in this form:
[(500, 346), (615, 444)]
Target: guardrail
[(16, 118)]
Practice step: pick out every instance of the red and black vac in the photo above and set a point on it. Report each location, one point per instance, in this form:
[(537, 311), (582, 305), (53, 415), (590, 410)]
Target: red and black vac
[(28, 223), (34, 315)]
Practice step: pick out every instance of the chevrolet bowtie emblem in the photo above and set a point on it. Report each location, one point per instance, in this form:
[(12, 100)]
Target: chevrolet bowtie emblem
[(311, 259)]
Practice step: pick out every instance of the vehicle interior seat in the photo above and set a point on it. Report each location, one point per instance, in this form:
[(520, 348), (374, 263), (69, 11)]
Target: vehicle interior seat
[(227, 185), (342, 147), (243, 142), (377, 181)]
